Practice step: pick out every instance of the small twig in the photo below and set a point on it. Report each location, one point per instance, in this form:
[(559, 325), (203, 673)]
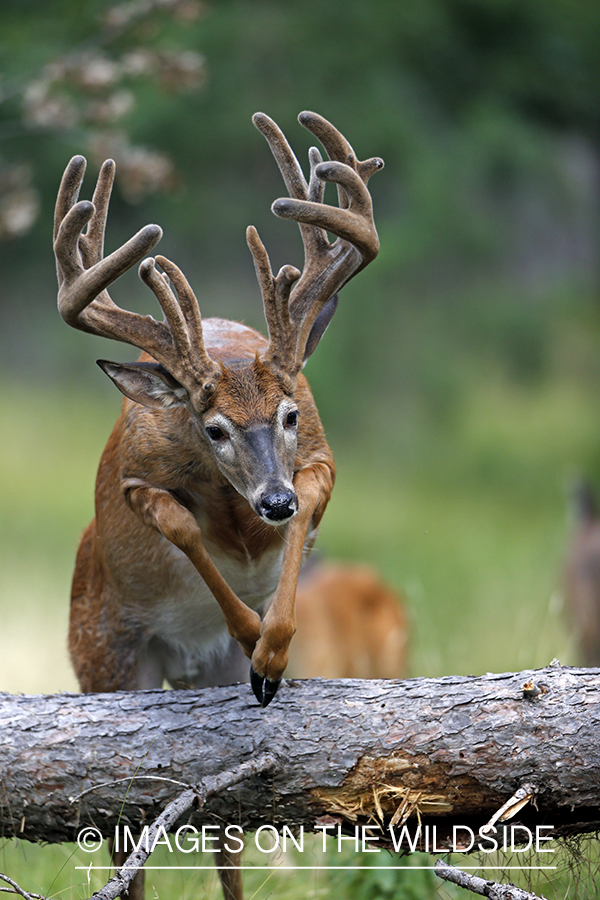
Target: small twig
[(120, 882), (482, 886), (16, 889), (96, 787)]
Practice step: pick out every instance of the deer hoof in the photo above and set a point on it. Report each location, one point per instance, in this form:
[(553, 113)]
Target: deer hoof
[(264, 689)]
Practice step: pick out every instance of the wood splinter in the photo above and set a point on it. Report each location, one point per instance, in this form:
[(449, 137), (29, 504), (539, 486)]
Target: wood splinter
[(509, 809)]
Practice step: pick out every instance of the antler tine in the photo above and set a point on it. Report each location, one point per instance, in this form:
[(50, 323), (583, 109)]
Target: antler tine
[(316, 187), (353, 223), (188, 304), (337, 146), (84, 275), (68, 192), (342, 168), (185, 322), (80, 287), (94, 239), (159, 286), (276, 295), (334, 142), (328, 266), (291, 172), (284, 155)]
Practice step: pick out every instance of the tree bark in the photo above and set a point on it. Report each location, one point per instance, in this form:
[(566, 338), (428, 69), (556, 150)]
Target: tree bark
[(452, 750)]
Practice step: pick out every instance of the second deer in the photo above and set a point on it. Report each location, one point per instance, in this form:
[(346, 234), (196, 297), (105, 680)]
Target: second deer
[(351, 624)]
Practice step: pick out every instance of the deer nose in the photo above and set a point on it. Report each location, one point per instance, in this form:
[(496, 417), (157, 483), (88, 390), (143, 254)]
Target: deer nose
[(278, 506)]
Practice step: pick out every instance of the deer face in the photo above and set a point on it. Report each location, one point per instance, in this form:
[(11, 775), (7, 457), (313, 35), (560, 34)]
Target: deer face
[(249, 424), (252, 429)]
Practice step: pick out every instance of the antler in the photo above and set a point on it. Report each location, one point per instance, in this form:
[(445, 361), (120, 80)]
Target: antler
[(84, 275), (299, 306)]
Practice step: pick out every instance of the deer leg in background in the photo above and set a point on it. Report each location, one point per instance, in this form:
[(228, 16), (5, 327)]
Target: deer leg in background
[(136, 888), (228, 864)]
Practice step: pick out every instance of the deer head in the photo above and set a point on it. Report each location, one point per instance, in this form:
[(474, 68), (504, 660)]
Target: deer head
[(243, 399)]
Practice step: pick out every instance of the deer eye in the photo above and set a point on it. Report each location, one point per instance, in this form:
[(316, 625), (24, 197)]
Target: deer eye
[(291, 420), (215, 433)]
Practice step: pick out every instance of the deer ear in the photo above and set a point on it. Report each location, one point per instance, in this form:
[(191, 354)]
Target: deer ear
[(320, 326), (147, 383)]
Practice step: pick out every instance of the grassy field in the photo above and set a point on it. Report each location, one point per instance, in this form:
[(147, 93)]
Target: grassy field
[(59, 871), (471, 527)]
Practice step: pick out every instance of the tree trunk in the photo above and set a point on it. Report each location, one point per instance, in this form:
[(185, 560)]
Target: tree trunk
[(453, 750)]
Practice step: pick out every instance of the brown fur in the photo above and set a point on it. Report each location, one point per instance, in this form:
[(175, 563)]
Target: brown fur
[(248, 395), (350, 624), (123, 563)]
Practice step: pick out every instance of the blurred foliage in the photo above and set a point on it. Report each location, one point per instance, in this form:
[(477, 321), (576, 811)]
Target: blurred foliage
[(89, 91), (486, 112), (379, 881)]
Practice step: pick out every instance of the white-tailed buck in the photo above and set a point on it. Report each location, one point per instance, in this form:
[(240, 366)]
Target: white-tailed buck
[(217, 473)]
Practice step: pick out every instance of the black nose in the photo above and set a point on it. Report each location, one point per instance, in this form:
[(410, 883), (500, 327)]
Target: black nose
[(278, 506)]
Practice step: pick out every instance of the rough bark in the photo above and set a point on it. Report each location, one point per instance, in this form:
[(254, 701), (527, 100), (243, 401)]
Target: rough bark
[(452, 749)]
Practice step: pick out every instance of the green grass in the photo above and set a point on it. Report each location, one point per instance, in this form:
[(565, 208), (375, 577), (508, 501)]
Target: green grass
[(58, 872), (62, 871), (475, 531), (48, 458)]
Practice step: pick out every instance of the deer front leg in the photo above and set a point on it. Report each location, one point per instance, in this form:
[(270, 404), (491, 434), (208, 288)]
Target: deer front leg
[(160, 510), (313, 486)]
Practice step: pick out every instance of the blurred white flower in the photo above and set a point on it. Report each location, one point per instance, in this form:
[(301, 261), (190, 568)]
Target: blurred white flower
[(19, 201), (140, 171)]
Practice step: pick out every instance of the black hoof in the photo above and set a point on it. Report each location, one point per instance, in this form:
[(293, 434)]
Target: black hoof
[(264, 690)]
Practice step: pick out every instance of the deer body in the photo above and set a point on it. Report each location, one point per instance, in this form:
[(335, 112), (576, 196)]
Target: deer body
[(160, 609)]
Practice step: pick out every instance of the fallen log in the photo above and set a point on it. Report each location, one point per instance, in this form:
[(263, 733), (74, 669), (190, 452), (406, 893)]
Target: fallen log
[(450, 753)]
